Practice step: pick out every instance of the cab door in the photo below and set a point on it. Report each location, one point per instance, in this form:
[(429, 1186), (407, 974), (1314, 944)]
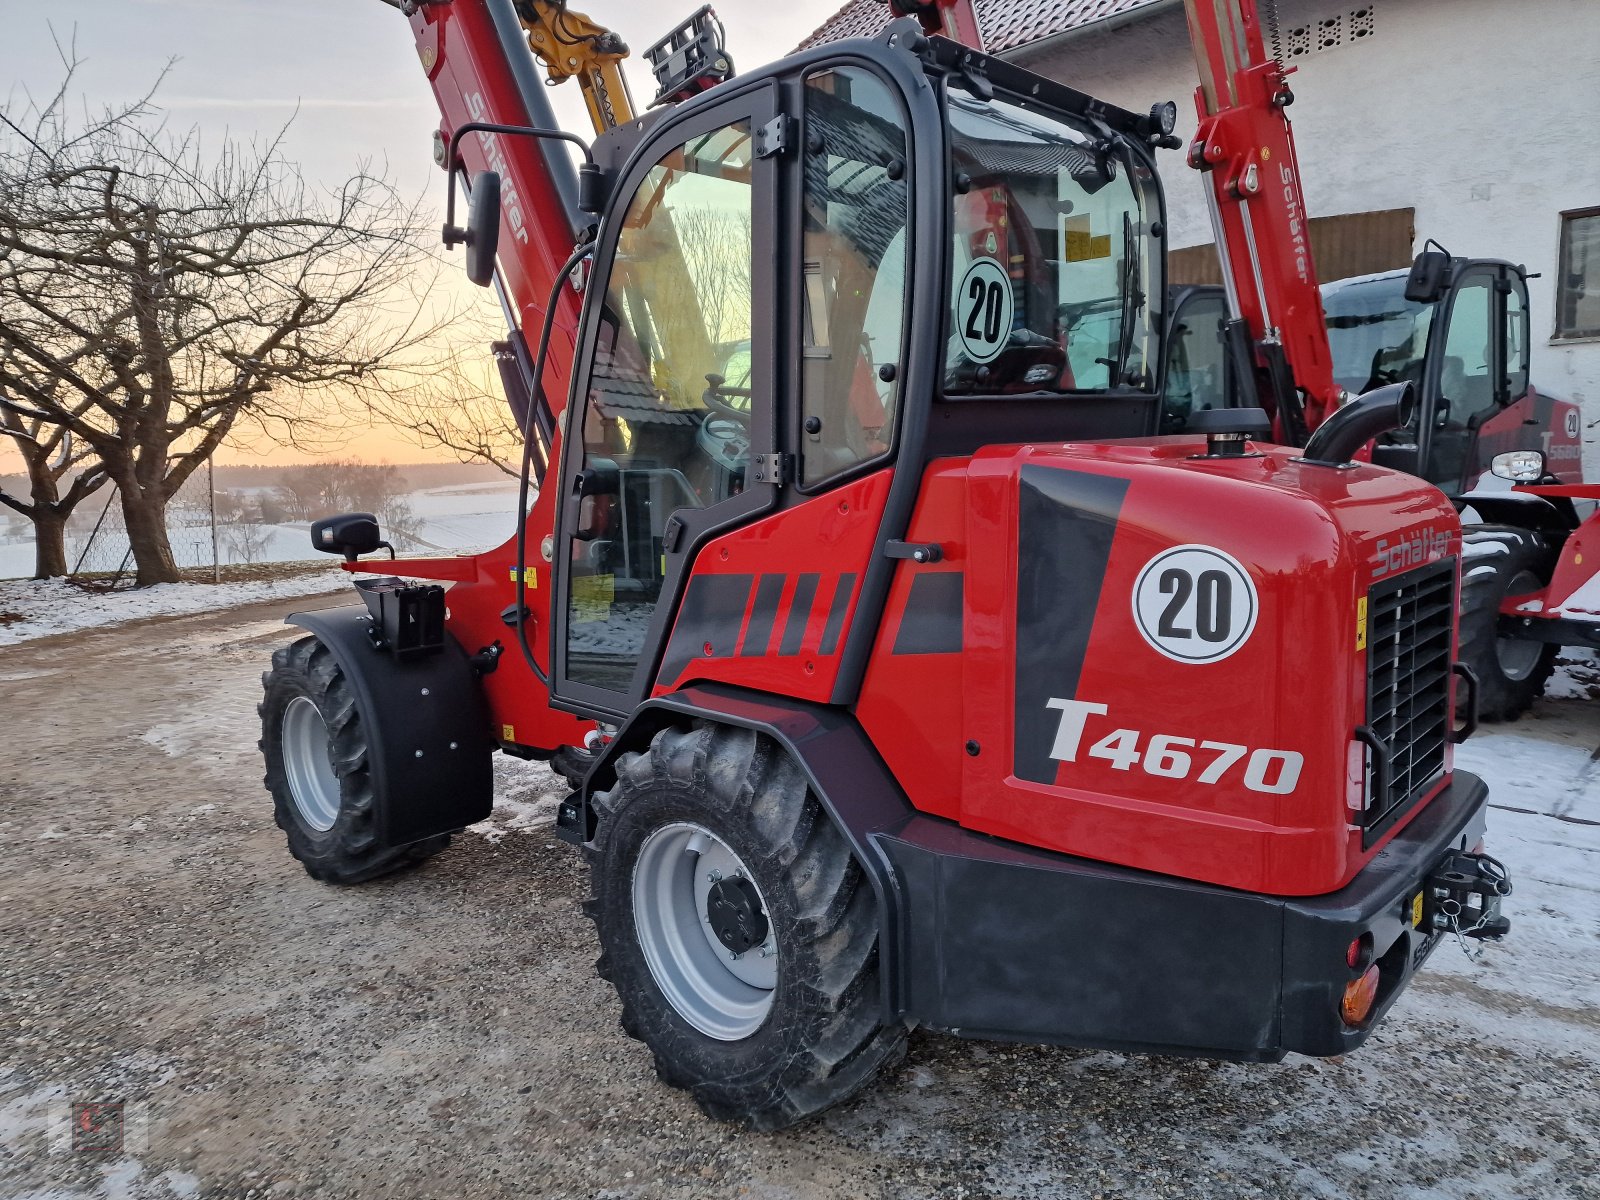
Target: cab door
[(671, 431), (1470, 370)]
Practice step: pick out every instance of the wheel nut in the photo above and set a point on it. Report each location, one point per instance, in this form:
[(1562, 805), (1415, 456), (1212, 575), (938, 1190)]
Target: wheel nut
[(713, 876)]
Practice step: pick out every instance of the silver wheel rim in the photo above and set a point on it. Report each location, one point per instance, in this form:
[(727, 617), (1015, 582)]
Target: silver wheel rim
[(1519, 657), (312, 784), (723, 995)]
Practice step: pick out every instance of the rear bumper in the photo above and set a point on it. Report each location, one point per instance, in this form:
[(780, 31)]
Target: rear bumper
[(998, 940)]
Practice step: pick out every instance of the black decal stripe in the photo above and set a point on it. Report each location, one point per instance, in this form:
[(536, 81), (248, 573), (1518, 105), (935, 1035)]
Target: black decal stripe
[(931, 623), (841, 604), (712, 611), (758, 636), (1065, 525), (794, 631)]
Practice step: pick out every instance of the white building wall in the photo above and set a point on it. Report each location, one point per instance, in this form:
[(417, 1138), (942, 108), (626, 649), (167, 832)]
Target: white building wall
[(1479, 114)]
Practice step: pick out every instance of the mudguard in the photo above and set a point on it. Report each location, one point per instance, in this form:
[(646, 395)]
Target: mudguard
[(426, 726)]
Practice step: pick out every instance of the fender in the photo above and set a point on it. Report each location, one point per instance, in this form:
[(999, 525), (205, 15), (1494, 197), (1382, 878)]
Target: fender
[(426, 725), (1537, 513), (845, 773)]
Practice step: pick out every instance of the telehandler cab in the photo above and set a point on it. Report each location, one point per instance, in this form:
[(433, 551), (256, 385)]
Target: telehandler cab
[(903, 674)]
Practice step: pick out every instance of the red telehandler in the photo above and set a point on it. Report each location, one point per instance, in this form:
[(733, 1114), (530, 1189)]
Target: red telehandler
[(903, 674), (1456, 329)]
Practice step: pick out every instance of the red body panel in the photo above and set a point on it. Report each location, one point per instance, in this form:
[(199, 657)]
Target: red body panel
[(828, 540), (1535, 421), (1574, 591), (1312, 539)]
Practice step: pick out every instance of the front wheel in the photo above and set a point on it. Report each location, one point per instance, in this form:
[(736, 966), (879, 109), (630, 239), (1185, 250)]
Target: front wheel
[(1501, 561), (738, 929), (318, 771)]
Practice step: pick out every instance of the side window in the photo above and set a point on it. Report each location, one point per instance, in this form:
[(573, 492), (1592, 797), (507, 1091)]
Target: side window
[(666, 423), (854, 246), (1465, 381), (1197, 368), (1578, 275)]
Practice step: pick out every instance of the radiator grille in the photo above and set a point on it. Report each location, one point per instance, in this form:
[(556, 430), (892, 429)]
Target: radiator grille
[(1410, 621)]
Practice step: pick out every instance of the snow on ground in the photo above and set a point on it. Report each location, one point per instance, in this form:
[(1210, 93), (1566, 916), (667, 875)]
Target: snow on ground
[(1543, 773), (447, 519), (50, 606)]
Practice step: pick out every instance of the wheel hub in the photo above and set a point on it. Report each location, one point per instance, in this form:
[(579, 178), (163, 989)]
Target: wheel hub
[(313, 785), (704, 931), (734, 910)]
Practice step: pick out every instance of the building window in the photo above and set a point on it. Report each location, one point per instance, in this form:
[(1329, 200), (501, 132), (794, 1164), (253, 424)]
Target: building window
[(1578, 275)]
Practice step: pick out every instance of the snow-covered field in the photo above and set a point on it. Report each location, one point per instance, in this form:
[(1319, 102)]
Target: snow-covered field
[(51, 606), (462, 517)]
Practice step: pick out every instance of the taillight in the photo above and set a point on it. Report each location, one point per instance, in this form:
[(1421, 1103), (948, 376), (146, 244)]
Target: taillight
[(1359, 953), (1359, 995)]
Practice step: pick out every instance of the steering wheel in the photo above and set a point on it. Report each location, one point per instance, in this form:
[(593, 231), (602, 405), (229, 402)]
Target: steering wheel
[(714, 398)]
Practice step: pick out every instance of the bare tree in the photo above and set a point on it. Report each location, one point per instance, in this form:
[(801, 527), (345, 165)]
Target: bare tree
[(461, 407), (246, 542), (50, 455), (156, 298)]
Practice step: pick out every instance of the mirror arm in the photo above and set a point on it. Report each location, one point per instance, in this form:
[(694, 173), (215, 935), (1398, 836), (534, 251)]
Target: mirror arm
[(591, 191)]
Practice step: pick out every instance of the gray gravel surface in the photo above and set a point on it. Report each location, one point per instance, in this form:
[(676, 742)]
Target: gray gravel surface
[(442, 1033)]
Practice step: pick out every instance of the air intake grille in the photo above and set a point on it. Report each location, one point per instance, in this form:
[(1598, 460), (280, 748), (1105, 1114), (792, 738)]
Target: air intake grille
[(1410, 619)]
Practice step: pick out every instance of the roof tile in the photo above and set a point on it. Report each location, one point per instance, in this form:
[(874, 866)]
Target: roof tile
[(1006, 24)]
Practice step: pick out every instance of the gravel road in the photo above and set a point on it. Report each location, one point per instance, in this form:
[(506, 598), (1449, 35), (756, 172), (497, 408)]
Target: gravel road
[(442, 1034)]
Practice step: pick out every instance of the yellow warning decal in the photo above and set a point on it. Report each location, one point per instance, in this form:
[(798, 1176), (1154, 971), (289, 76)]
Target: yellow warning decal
[(529, 575), (507, 733), (1361, 623), (1416, 911)]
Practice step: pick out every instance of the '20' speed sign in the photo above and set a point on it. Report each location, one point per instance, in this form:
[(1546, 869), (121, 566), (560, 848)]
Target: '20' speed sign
[(1195, 604), (984, 308)]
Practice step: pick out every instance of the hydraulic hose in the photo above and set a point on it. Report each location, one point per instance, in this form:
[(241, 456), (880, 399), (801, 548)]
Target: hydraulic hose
[(1357, 423), (583, 251)]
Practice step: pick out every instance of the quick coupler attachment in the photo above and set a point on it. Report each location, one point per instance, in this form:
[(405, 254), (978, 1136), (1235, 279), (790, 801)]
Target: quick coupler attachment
[(1462, 896)]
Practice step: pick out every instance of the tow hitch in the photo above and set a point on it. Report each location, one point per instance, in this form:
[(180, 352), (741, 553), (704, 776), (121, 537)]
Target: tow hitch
[(1462, 897)]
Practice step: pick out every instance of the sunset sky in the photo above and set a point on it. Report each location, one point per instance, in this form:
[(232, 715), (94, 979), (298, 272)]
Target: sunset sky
[(345, 70)]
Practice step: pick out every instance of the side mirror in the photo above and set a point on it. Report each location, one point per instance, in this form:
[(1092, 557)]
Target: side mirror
[(1522, 466), (1430, 275), (483, 227), (349, 534)]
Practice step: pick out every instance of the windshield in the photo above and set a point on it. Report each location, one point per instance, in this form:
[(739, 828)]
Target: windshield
[(1054, 256), (1376, 335)]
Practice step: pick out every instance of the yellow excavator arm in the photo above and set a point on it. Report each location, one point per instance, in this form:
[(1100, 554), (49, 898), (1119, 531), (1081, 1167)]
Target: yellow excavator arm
[(571, 46)]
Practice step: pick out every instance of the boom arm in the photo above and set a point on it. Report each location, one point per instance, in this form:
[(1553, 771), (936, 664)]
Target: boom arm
[(1258, 213)]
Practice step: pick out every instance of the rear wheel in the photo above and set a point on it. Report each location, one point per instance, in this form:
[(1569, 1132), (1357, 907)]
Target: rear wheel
[(318, 773), (738, 929), (1501, 561)]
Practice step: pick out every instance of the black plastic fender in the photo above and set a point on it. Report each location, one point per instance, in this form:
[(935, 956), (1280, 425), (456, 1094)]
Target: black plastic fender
[(845, 773), (426, 724)]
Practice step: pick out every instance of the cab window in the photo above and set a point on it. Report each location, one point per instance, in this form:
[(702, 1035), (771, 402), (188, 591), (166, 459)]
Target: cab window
[(666, 422), (853, 294)]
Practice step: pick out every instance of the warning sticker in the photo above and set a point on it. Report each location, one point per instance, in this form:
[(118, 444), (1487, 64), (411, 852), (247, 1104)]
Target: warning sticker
[(984, 307)]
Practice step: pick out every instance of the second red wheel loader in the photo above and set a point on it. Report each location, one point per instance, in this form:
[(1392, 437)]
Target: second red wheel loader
[(905, 675), (1456, 329)]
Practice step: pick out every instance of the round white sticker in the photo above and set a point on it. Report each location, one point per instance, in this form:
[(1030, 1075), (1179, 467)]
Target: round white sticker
[(983, 310), (1195, 604), (1572, 422)]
